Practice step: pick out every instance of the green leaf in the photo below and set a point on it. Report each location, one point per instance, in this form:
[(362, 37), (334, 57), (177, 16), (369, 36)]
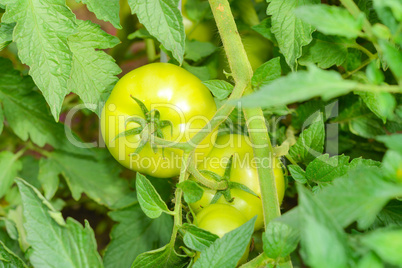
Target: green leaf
[(310, 143), (141, 34), (358, 196), (386, 243), (326, 51), (9, 167), (264, 28), (326, 169), (291, 32), (392, 165), (389, 11), (322, 238), (390, 215), (134, 234), (98, 178), (149, 199), (93, 72), (41, 35), (228, 250), (279, 240), (163, 20), (162, 257), (266, 73), (8, 259), (374, 74), (69, 245), (381, 104), (49, 177), (331, 20), (191, 190), (393, 141), (27, 113), (196, 238), (393, 57), (299, 86), (219, 88), (107, 10), (196, 50), (298, 174), (6, 34)]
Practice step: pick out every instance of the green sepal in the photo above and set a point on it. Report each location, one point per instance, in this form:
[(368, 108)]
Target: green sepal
[(236, 185), (141, 104), (130, 132), (212, 174)]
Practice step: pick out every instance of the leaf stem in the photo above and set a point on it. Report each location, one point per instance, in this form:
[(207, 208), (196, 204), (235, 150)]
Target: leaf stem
[(178, 196)]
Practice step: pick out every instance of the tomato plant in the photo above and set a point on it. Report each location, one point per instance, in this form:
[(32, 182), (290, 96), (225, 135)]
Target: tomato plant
[(177, 105)]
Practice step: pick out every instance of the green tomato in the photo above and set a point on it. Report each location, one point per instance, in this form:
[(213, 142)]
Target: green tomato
[(202, 31), (179, 96), (258, 49), (220, 219), (243, 171)]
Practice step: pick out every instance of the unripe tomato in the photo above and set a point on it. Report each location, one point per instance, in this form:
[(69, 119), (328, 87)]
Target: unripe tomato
[(180, 98), (243, 171), (202, 31), (258, 49), (220, 219)]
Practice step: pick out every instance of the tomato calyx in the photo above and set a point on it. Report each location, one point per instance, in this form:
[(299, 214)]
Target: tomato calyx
[(149, 126), (231, 185)]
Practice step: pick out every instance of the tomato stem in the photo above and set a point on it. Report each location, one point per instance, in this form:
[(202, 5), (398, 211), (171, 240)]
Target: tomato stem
[(178, 196)]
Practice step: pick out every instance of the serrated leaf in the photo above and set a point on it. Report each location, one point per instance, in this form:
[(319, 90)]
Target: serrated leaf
[(279, 240), (326, 51), (97, 178), (163, 20), (9, 167), (326, 169), (219, 88), (196, 50), (70, 245), (149, 199), (331, 20), (107, 10), (8, 259), (227, 251), (322, 239), (392, 165), (6, 34), (197, 239), (27, 113), (134, 234), (387, 243), (191, 190), (299, 86), (310, 143), (358, 196), (41, 31), (93, 72), (163, 257), (290, 32), (381, 104), (266, 73)]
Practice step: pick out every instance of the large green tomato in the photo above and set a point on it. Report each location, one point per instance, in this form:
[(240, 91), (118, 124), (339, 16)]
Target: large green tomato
[(243, 171), (178, 96), (220, 219)]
